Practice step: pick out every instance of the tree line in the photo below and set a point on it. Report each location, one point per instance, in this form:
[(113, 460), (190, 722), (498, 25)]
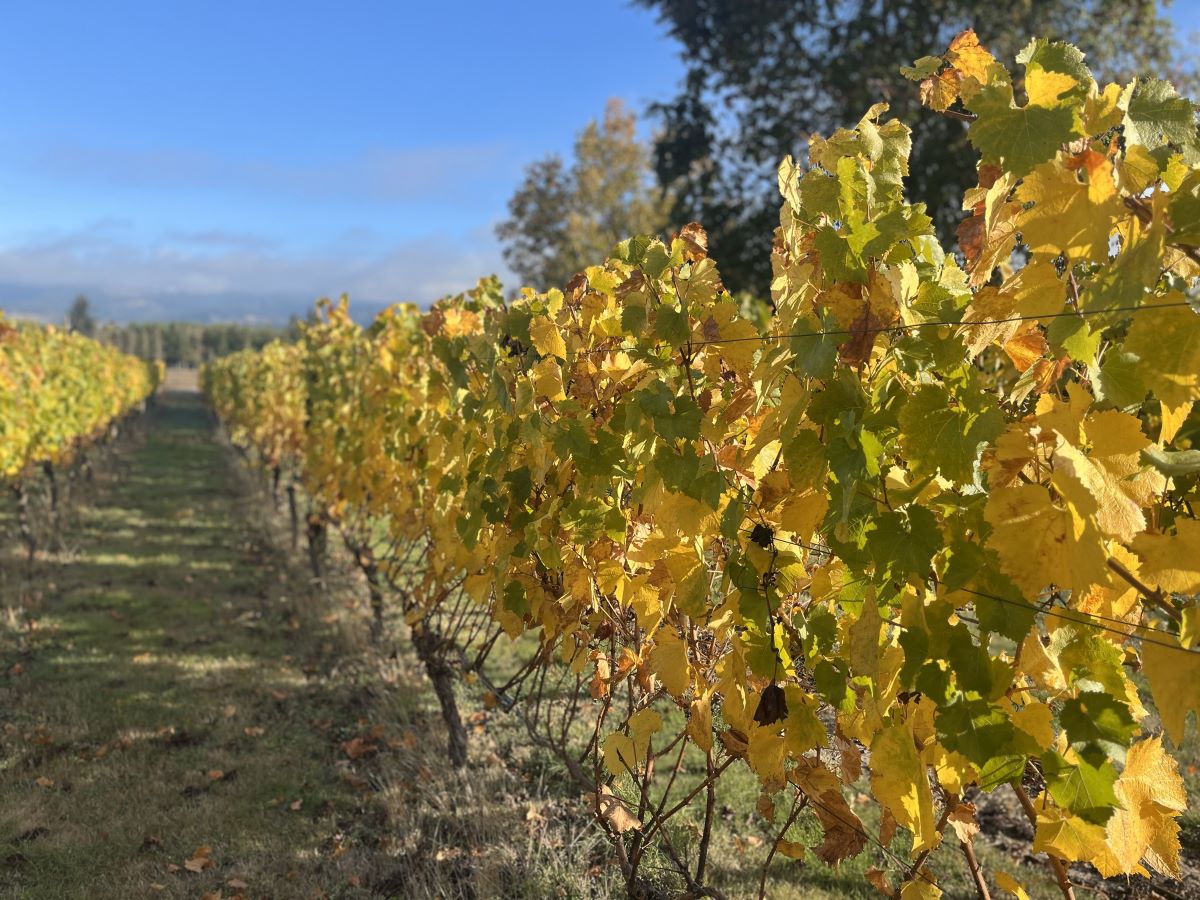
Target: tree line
[(760, 77), (188, 344)]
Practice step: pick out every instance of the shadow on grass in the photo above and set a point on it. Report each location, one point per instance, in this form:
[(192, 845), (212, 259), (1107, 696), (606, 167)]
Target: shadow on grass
[(166, 684)]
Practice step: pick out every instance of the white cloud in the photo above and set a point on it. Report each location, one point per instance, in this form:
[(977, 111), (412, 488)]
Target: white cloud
[(219, 275)]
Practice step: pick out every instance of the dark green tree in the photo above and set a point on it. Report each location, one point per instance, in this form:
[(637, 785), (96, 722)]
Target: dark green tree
[(762, 75), (79, 317)]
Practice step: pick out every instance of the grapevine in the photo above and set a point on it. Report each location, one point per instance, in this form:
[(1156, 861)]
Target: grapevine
[(59, 393), (930, 529)]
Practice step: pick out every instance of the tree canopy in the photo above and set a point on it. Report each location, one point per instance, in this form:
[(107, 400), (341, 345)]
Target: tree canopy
[(762, 75), (562, 219)]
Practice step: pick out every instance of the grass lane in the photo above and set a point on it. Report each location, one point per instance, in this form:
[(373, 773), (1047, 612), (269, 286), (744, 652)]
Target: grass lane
[(164, 691)]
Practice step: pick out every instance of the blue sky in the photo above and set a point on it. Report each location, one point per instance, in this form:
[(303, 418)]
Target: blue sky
[(219, 160)]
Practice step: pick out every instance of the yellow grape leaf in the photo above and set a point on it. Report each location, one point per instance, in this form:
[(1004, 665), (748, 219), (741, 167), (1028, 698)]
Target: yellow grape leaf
[(1100, 113), (1065, 417), (1117, 441), (766, 754), (643, 724), (547, 339), (1036, 290), (1068, 837), (461, 322), (1171, 563), (863, 640), (990, 306), (700, 721), (1006, 882), (1035, 718), (939, 91), (669, 661), (619, 754), (547, 379), (803, 512), (739, 342), (1137, 169), (690, 575), (920, 888), (1026, 348), (1117, 514), (1167, 345), (802, 728), (971, 60), (899, 781), (1174, 676), (1065, 218), (1189, 627), (1172, 418), (952, 770), (1041, 542), (1152, 796), (790, 849)]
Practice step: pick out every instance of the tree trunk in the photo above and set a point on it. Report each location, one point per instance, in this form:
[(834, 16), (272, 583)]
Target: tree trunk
[(52, 478), (291, 492), (442, 677), (24, 527), (370, 568), (317, 539)]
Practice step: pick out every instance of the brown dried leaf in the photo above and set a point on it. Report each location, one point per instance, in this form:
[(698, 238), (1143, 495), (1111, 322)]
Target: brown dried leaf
[(613, 809)]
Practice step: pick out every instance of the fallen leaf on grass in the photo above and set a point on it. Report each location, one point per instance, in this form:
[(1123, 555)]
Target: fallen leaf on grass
[(144, 658), (279, 695), (236, 884), (229, 711), (295, 805), (201, 860), (45, 782), (254, 731), (156, 887), (746, 843), (216, 774), (356, 748)]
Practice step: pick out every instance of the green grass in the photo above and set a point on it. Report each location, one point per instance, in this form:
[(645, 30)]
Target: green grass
[(135, 665)]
